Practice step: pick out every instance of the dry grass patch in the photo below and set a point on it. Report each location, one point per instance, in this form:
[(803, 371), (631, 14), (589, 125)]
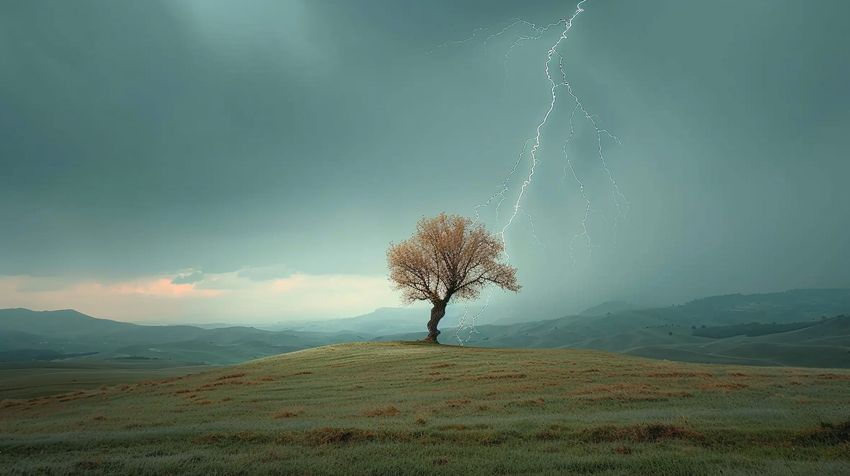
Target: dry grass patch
[(288, 413), (232, 376), (678, 374), (442, 366), (89, 465), (534, 402), (229, 438), (628, 392), (723, 386), (462, 427), (387, 411), (228, 381), (336, 436), (831, 376), (828, 433), (458, 403), (650, 433), (501, 376), (453, 426)]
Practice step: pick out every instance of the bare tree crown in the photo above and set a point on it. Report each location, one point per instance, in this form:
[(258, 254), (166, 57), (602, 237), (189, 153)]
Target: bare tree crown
[(448, 256)]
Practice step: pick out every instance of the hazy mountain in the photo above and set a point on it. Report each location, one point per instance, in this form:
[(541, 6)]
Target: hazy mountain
[(608, 307), (785, 328), (381, 321), (677, 332), (789, 306), (25, 333)]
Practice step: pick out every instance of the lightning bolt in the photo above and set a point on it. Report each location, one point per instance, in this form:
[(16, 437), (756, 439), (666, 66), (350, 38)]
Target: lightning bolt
[(539, 32), (503, 190), (553, 90), (531, 226), (466, 323), (447, 44), (584, 233), (602, 135), (620, 200)]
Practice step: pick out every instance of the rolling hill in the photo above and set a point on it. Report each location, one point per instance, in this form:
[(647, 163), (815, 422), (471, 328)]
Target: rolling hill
[(423, 409), (785, 328), (25, 334), (381, 321), (679, 332)]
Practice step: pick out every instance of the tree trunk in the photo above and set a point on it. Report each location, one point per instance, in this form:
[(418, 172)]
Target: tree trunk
[(437, 313)]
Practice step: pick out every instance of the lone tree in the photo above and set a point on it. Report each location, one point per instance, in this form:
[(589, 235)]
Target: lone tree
[(448, 257)]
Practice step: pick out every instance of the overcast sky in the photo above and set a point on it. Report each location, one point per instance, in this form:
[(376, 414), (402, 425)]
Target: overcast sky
[(250, 161)]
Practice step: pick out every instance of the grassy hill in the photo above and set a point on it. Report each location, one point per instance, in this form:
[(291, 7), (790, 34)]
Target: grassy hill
[(395, 408), (28, 379)]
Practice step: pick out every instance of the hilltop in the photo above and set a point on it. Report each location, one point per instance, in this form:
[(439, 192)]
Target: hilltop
[(413, 408)]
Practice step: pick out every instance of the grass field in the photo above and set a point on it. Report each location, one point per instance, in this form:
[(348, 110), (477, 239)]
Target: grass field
[(40, 378), (395, 408)]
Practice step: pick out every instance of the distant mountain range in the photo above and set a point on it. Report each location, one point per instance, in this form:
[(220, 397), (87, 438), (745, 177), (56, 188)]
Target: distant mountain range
[(29, 335), (818, 333), (608, 307), (381, 321), (808, 327)]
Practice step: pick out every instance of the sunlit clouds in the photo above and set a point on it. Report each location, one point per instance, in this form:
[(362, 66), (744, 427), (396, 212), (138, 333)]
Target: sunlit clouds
[(238, 297)]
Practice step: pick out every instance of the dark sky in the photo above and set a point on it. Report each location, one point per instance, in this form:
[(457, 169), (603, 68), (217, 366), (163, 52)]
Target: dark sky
[(220, 160)]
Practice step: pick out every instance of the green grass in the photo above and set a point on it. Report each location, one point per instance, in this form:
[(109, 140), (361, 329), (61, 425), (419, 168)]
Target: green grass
[(410, 409), (41, 378)]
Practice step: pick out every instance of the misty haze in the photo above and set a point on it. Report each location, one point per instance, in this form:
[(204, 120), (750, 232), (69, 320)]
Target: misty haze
[(424, 237)]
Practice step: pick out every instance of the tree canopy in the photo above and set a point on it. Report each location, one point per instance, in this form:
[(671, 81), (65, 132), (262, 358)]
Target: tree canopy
[(448, 257)]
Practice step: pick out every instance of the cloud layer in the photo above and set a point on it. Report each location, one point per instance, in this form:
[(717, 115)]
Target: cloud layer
[(195, 296)]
